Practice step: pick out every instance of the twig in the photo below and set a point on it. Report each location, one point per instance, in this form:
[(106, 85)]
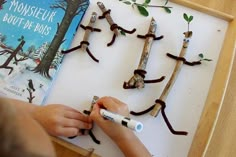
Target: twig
[(95, 98), (84, 131), (174, 75), (107, 15), (137, 81)]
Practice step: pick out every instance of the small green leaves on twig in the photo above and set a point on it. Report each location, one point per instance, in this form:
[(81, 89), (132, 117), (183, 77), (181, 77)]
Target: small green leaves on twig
[(122, 33), (142, 7), (202, 58), (188, 19)]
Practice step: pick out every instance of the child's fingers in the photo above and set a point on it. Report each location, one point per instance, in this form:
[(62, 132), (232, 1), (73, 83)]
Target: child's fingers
[(114, 105), (76, 124), (67, 131), (108, 103), (77, 116), (95, 114)]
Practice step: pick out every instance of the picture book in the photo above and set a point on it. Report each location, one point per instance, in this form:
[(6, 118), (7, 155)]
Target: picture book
[(32, 35)]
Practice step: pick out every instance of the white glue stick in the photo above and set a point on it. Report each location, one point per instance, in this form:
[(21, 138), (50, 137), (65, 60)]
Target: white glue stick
[(125, 121)]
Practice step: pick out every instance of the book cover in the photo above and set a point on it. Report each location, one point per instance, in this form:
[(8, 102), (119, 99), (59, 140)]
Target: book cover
[(32, 35)]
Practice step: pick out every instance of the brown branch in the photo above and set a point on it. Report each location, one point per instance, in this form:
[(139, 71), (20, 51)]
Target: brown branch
[(59, 5), (6, 51), (137, 81), (21, 59), (88, 31), (82, 8), (174, 75)]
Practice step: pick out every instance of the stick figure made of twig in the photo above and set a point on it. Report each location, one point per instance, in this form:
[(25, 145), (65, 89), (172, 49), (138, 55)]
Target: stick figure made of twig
[(84, 44), (113, 26)]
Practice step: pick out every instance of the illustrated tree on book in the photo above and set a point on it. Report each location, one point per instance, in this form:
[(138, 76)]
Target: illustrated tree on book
[(3, 38), (57, 60), (1, 3), (71, 8), (31, 50), (12, 56)]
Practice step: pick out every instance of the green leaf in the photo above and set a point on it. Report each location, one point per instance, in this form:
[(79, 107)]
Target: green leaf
[(190, 19), (147, 1), (207, 59), (201, 55), (134, 1), (185, 17), (142, 10), (122, 33), (167, 10), (127, 2)]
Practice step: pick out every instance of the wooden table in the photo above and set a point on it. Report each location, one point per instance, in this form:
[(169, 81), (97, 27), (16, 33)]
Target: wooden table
[(223, 142)]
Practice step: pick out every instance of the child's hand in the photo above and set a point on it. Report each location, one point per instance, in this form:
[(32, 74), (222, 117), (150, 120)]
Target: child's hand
[(125, 138), (60, 120), (113, 130)]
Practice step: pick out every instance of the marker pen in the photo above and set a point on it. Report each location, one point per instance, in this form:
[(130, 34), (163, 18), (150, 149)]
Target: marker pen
[(125, 121)]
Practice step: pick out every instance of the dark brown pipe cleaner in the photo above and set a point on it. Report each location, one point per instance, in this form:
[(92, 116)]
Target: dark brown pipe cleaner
[(90, 131), (90, 28), (78, 47), (142, 112), (163, 106), (150, 35), (142, 73), (184, 60), (90, 134), (91, 55), (115, 26), (104, 14), (112, 40), (71, 50), (93, 137)]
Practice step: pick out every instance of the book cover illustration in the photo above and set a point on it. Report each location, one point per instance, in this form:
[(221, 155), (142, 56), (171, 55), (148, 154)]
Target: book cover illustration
[(32, 35)]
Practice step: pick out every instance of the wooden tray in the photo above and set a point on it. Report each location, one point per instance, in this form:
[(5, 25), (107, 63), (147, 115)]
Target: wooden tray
[(216, 92)]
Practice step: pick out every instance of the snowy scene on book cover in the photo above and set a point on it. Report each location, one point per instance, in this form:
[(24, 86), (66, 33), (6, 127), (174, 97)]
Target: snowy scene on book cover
[(32, 35)]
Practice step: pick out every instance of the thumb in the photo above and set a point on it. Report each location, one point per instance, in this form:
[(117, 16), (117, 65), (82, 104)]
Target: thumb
[(95, 114)]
